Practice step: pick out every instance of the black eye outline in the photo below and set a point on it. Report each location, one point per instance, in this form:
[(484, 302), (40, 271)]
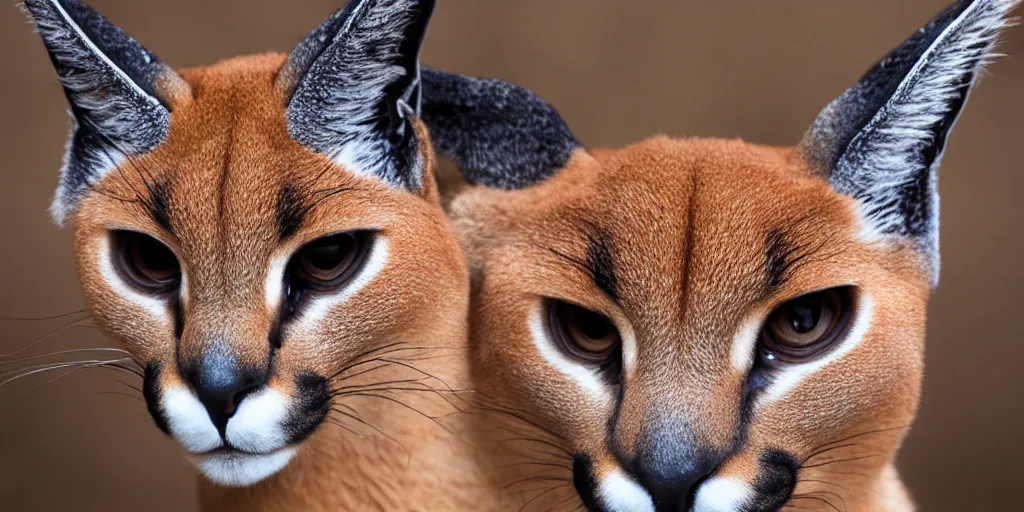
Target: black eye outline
[(838, 306), (562, 323), (146, 263), (304, 277)]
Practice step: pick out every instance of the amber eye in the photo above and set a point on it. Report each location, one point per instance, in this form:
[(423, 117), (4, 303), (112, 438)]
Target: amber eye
[(807, 325), (146, 263), (329, 262), (582, 333)]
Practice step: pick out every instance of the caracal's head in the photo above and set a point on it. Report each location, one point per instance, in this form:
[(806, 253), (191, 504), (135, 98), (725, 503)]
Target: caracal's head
[(251, 229), (714, 325)]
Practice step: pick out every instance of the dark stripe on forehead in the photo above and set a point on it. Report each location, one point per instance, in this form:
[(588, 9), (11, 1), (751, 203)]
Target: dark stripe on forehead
[(599, 261), (159, 204), (784, 253), (294, 202), (290, 212), (787, 250), (776, 254)]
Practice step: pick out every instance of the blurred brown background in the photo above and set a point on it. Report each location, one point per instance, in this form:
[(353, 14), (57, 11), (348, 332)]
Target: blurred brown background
[(618, 71)]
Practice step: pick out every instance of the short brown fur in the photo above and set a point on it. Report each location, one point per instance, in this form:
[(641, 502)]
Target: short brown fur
[(687, 220)]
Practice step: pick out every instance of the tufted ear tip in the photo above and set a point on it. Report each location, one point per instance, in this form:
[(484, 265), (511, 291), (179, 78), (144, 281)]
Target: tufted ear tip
[(120, 93), (352, 83), (882, 140)]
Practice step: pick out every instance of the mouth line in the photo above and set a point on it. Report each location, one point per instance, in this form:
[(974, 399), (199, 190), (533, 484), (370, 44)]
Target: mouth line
[(229, 451)]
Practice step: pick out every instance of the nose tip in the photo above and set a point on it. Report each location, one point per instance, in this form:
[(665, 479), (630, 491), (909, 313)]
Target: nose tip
[(671, 473), (672, 489), (220, 384), (221, 399)]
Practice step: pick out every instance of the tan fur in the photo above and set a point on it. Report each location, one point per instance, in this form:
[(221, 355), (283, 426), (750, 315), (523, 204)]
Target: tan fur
[(225, 162), (688, 219)]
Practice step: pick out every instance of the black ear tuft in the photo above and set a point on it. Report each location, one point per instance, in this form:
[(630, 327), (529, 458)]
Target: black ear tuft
[(499, 134), (117, 89), (882, 140), (352, 86)]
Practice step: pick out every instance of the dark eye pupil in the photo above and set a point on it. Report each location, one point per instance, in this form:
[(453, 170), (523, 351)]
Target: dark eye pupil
[(330, 253), (326, 257), (155, 257), (594, 327), (804, 315)]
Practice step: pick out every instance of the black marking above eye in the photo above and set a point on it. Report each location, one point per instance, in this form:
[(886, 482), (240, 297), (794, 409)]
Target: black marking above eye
[(290, 212), (599, 260), (159, 204)]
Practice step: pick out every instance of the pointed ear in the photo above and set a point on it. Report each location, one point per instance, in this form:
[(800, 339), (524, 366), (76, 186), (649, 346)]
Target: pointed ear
[(352, 89), (120, 93), (882, 140), (499, 134)]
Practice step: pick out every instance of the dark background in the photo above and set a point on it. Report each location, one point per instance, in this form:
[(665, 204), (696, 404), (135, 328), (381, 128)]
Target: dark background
[(618, 71)]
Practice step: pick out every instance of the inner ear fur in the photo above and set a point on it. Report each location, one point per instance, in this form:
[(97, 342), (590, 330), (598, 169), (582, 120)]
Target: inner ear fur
[(881, 141), (121, 94)]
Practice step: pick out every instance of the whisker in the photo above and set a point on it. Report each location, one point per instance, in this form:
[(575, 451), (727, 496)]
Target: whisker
[(56, 366), (837, 461), (47, 336), (816, 498), (64, 352), (41, 318), (379, 431)]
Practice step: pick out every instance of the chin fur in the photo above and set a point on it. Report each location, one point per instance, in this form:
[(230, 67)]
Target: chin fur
[(241, 470)]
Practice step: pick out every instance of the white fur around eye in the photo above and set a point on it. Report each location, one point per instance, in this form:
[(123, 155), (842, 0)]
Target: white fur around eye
[(793, 374), (744, 342), (319, 307), (157, 308), (585, 377), (620, 493), (274, 286)]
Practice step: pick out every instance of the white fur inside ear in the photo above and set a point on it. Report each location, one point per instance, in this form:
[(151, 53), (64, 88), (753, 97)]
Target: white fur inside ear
[(587, 379), (69, 23), (620, 493), (66, 198), (335, 107), (793, 374), (721, 494), (886, 161)]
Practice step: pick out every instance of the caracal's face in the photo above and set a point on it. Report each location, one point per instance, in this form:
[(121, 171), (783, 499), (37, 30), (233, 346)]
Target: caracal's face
[(258, 232), (697, 310), (712, 325), (245, 272)]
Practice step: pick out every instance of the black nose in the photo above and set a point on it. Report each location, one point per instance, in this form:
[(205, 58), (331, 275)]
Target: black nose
[(221, 383), (670, 467)]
